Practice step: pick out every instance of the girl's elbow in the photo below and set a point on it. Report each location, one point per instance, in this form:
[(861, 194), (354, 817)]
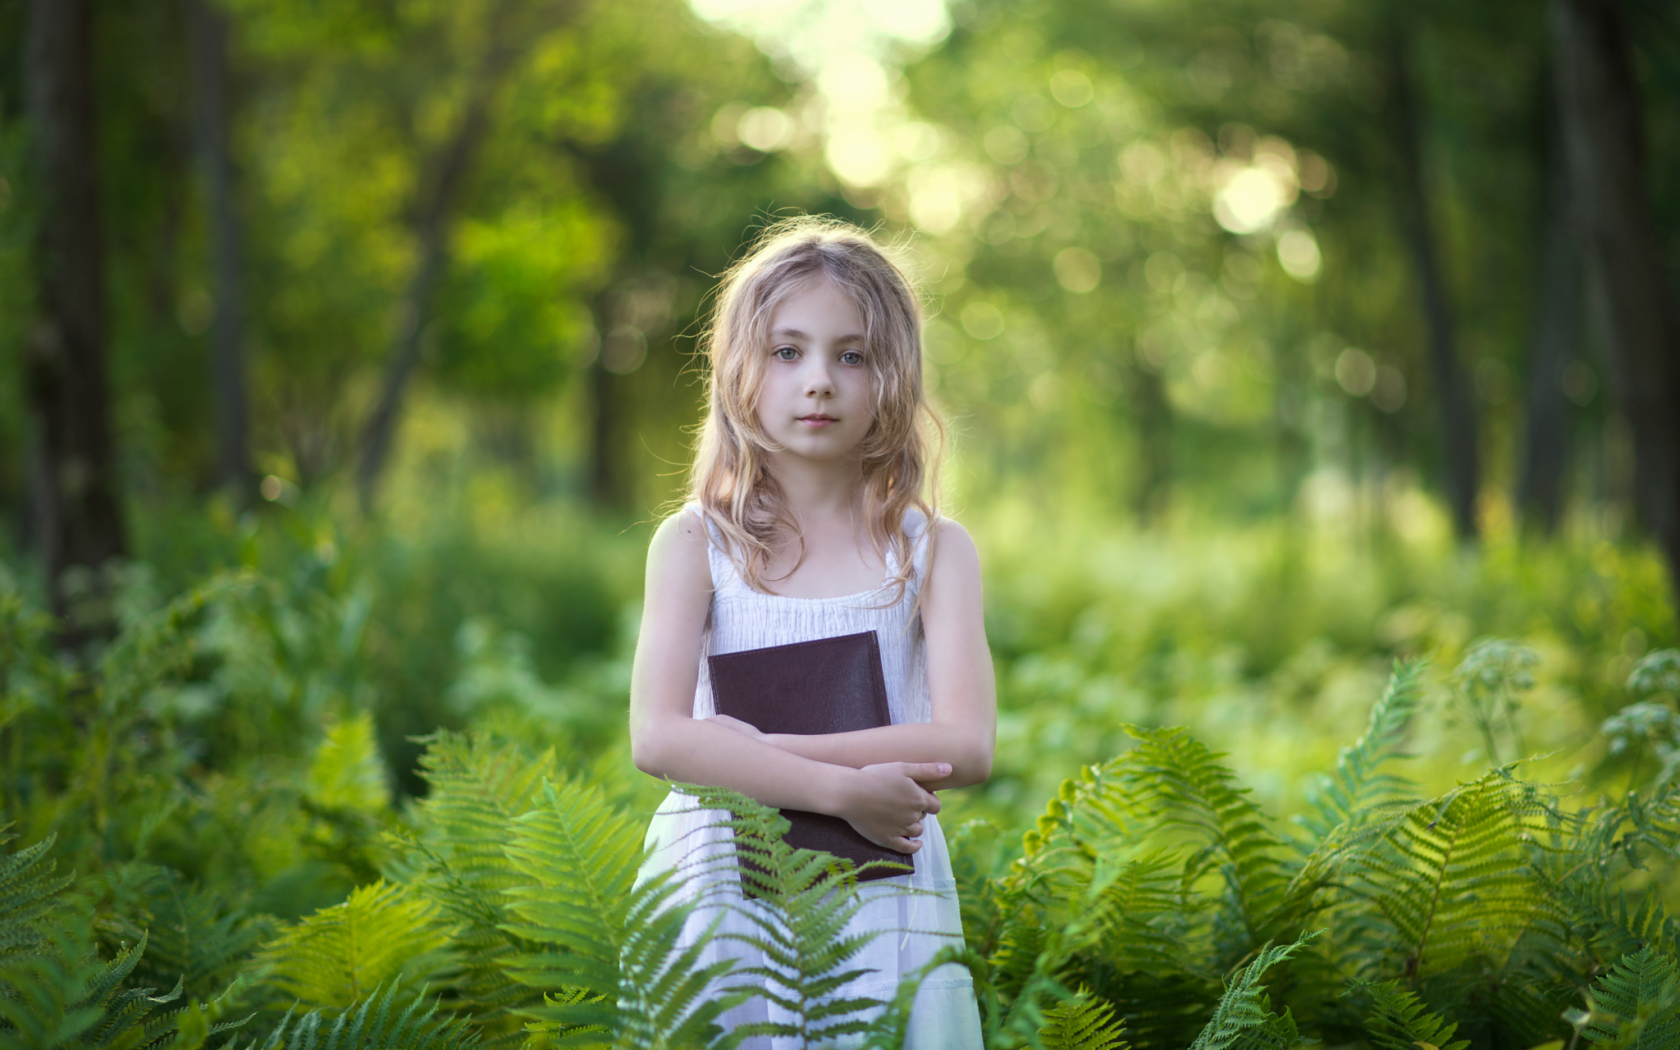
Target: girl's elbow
[(645, 751), (980, 761)]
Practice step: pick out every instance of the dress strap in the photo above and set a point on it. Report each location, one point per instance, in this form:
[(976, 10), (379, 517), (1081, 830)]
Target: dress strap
[(724, 573)]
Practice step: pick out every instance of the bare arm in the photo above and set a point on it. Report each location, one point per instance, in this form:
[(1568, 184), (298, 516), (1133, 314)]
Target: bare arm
[(960, 683), (883, 801)]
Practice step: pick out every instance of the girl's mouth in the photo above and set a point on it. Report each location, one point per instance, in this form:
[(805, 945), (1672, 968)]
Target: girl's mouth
[(817, 420)]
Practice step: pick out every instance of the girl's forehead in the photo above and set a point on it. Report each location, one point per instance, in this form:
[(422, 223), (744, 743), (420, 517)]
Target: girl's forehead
[(817, 295)]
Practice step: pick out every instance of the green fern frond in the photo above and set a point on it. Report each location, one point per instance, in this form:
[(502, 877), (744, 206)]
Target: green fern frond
[(1360, 784), (1641, 996), (1244, 1017), (1400, 1021), (382, 936), (348, 774), (1449, 877), (373, 1023), (614, 955), (1083, 1022), (805, 901), (28, 892), (457, 857), (193, 936), (63, 995), (1185, 782)]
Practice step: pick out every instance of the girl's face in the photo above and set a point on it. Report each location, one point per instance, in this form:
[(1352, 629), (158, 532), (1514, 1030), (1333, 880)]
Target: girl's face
[(815, 398)]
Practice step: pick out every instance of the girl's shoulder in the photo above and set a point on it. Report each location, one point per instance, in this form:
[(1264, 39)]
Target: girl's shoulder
[(680, 548)]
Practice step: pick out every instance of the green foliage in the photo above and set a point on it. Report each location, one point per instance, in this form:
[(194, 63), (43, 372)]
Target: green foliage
[(1147, 902), (1081, 1023), (55, 991), (1489, 683), (1448, 880), (382, 1019), (609, 957), (1243, 1017), (384, 935), (1361, 787), (1636, 1004), (1400, 1021)]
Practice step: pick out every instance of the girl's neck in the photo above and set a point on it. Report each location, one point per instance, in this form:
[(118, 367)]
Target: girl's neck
[(817, 489)]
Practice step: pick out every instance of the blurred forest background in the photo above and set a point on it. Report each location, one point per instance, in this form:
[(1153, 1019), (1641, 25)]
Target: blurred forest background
[(1277, 340)]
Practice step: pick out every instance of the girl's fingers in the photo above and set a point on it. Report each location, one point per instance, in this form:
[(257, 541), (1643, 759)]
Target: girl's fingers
[(914, 830), (927, 770)]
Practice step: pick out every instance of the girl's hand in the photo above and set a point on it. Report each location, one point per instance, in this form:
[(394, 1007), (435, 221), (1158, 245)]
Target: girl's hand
[(739, 726), (886, 803)]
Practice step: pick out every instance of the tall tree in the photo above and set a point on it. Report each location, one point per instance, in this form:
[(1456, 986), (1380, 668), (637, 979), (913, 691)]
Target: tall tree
[(1602, 115), (507, 39), (1557, 322), (78, 521), (208, 33), (1457, 408)]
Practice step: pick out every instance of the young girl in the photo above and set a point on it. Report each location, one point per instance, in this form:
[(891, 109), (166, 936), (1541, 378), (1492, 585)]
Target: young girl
[(807, 520)]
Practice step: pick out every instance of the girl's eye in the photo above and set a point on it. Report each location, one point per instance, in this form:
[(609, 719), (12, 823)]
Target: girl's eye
[(851, 357), (785, 353)]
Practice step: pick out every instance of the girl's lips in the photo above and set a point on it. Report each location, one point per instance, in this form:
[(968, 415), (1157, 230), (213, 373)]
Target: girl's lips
[(817, 421)]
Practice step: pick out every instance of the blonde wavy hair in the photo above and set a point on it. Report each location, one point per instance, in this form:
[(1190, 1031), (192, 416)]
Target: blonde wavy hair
[(730, 479)]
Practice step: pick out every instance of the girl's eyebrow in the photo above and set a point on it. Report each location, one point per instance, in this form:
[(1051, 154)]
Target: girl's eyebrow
[(794, 333)]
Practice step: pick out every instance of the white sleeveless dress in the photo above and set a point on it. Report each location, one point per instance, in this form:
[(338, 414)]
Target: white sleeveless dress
[(913, 926)]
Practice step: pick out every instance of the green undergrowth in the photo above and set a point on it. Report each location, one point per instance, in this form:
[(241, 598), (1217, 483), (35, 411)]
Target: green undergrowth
[(246, 871)]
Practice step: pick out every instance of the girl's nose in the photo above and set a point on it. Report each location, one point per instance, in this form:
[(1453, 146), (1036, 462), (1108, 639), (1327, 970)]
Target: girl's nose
[(819, 382)]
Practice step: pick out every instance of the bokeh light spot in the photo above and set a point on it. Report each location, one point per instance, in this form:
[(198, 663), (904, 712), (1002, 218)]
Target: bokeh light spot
[(1356, 372), (1078, 270), (1299, 256), (982, 320)]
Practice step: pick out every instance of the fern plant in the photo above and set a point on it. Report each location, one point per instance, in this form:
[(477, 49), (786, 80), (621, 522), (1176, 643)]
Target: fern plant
[(383, 935), (1636, 1005), (456, 856), (1082, 1022), (1244, 1017), (55, 991), (610, 963), (1400, 1021), (804, 904), (383, 1019)]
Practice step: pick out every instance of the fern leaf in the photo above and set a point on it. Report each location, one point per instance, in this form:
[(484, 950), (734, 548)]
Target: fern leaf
[(806, 901), (1360, 784), (1449, 875), (1641, 993), (614, 943), (1083, 1022), (457, 858), (1183, 779), (383, 935), (1400, 1021), (372, 1024), (1243, 1016), (348, 774), (28, 891), (193, 936)]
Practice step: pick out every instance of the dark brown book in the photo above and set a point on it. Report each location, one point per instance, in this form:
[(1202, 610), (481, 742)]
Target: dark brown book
[(830, 685)]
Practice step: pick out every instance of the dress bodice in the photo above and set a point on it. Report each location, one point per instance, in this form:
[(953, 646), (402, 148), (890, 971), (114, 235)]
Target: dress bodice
[(742, 618)]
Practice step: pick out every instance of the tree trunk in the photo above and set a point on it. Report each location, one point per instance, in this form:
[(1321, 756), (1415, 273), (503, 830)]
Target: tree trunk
[(436, 212), (1458, 409), (208, 33), (1604, 142), (1557, 331), (78, 512), (1153, 413)]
